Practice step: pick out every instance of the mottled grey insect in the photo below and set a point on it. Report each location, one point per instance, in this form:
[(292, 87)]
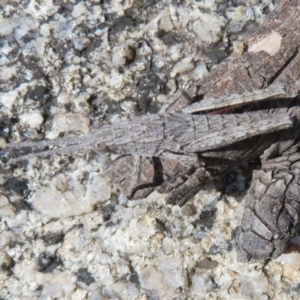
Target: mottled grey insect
[(179, 149), (182, 133)]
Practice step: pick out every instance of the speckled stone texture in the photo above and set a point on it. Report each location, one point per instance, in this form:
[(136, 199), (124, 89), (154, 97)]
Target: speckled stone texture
[(65, 230)]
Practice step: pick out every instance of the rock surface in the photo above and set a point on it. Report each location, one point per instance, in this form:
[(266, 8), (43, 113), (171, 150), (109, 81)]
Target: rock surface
[(65, 231)]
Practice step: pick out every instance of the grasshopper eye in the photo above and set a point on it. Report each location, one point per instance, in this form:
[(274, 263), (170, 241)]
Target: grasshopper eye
[(98, 146), (101, 148)]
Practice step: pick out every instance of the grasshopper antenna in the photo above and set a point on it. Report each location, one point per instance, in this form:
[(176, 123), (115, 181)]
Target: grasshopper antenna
[(60, 146)]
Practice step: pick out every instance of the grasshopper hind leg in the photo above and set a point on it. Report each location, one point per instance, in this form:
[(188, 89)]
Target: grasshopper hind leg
[(185, 190)]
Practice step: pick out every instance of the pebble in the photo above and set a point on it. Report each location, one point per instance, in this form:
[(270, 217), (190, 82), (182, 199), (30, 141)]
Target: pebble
[(5, 261), (33, 120)]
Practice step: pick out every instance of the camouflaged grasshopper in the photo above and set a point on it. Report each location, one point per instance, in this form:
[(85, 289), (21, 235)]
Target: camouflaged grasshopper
[(176, 152)]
